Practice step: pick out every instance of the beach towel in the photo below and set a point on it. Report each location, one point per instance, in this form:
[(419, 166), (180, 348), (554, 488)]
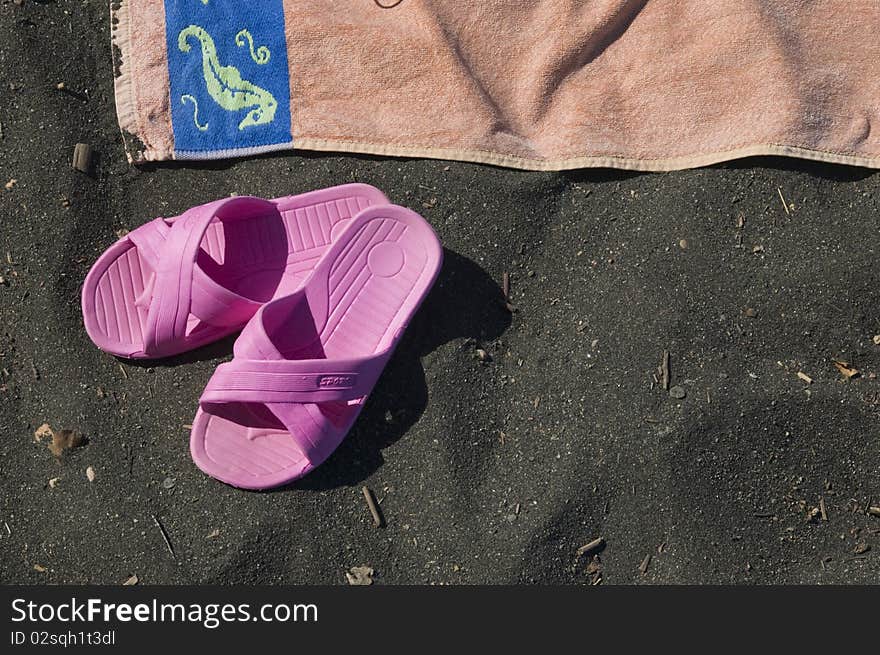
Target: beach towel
[(533, 84)]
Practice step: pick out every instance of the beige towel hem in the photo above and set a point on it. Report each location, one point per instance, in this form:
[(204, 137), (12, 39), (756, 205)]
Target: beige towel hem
[(522, 163), (607, 161)]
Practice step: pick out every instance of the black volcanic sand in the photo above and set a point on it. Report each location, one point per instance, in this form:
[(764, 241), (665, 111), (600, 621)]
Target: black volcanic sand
[(488, 471)]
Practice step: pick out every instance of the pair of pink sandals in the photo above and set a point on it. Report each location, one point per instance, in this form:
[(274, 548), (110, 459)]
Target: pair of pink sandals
[(323, 284)]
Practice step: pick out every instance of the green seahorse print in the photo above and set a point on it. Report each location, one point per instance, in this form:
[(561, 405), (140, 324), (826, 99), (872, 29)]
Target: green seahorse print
[(262, 54), (188, 98), (225, 84)]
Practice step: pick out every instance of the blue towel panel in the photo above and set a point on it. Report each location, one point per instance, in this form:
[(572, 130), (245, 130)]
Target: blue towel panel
[(230, 88)]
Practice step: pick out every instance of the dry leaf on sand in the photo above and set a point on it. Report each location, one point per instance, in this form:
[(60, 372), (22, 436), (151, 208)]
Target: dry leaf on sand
[(846, 370), (360, 575), (65, 440), (43, 432), (59, 441)]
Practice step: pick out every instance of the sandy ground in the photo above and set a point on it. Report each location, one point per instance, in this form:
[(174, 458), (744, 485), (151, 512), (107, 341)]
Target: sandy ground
[(488, 471)]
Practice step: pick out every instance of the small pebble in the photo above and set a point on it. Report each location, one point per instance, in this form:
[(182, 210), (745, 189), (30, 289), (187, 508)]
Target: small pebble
[(683, 244), (677, 392), (168, 483)]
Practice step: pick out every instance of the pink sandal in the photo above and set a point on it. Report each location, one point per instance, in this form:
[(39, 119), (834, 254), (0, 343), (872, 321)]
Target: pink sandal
[(175, 284), (306, 362)]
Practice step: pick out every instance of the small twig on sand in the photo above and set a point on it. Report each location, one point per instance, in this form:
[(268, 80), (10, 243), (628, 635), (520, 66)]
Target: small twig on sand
[(595, 546), (124, 374), (505, 290), (874, 511), (378, 520), (784, 203), (740, 224), (164, 534), (664, 371), (822, 508), (643, 567)]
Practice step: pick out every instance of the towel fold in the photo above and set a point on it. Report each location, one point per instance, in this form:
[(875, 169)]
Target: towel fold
[(534, 84)]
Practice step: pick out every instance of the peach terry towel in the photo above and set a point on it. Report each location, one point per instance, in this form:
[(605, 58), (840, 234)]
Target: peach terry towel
[(534, 84)]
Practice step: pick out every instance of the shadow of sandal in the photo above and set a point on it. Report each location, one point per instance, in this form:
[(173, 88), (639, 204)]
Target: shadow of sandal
[(464, 303)]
